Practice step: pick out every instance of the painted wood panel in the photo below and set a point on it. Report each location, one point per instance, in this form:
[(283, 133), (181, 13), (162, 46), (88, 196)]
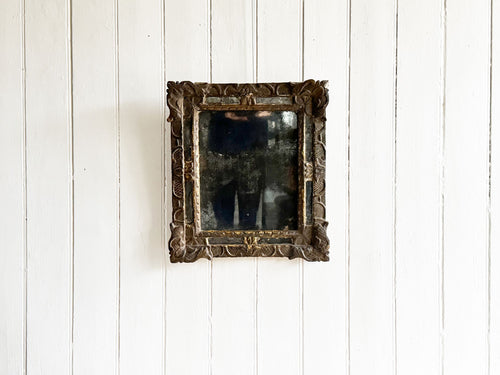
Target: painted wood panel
[(465, 194), (142, 268), (418, 187), (95, 153), (12, 190), (49, 201), (326, 50), (371, 189), (494, 190), (233, 306), (188, 288), (279, 281)]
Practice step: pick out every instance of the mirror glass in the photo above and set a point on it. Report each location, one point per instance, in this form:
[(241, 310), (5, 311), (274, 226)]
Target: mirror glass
[(248, 170)]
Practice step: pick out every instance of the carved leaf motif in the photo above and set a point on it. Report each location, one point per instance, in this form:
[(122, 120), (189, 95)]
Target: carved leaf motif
[(250, 241)]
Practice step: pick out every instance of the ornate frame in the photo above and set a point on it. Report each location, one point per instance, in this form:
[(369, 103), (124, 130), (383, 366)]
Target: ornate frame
[(309, 100)]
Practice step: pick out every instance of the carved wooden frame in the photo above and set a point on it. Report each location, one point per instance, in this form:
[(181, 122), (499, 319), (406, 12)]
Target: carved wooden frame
[(188, 243)]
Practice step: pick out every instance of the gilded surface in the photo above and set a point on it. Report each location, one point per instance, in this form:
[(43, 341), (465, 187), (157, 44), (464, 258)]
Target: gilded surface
[(188, 243)]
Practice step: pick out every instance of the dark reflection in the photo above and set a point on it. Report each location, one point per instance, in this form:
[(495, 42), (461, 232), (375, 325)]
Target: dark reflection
[(248, 170)]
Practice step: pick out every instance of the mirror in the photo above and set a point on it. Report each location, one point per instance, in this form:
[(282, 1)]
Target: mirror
[(248, 170)]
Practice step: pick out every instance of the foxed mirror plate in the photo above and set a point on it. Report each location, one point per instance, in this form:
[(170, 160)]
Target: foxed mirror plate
[(248, 170)]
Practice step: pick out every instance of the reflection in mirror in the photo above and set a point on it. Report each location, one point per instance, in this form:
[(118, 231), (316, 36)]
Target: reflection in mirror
[(248, 170)]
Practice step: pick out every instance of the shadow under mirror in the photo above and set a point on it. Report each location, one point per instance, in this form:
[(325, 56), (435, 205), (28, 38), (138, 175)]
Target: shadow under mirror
[(248, 170)]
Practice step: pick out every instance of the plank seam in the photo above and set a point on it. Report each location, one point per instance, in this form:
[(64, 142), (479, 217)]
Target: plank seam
[(25, 187), (256, 40), (69, 52), (490, 114), (395, 191), (163, 180), (118, 181), (256, 316), (348, 213), (210, 36), (210, 263), (302, 9), (442, 179), (210, 317)]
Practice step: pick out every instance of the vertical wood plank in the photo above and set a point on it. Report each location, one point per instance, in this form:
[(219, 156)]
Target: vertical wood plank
[(95, 187), (466, 187), (12, 191), (418, 191), (494, 287), (233, 280), (232, 41), (142, 265), (279, 310), (49, 194), (372, 187), (188, 286), (326, 57)]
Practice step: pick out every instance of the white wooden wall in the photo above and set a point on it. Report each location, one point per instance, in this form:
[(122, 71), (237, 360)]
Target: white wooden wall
[(413, 176)]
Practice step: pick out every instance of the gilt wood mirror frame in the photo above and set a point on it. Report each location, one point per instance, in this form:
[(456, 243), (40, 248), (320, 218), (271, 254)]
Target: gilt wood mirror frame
[(248, 170)]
